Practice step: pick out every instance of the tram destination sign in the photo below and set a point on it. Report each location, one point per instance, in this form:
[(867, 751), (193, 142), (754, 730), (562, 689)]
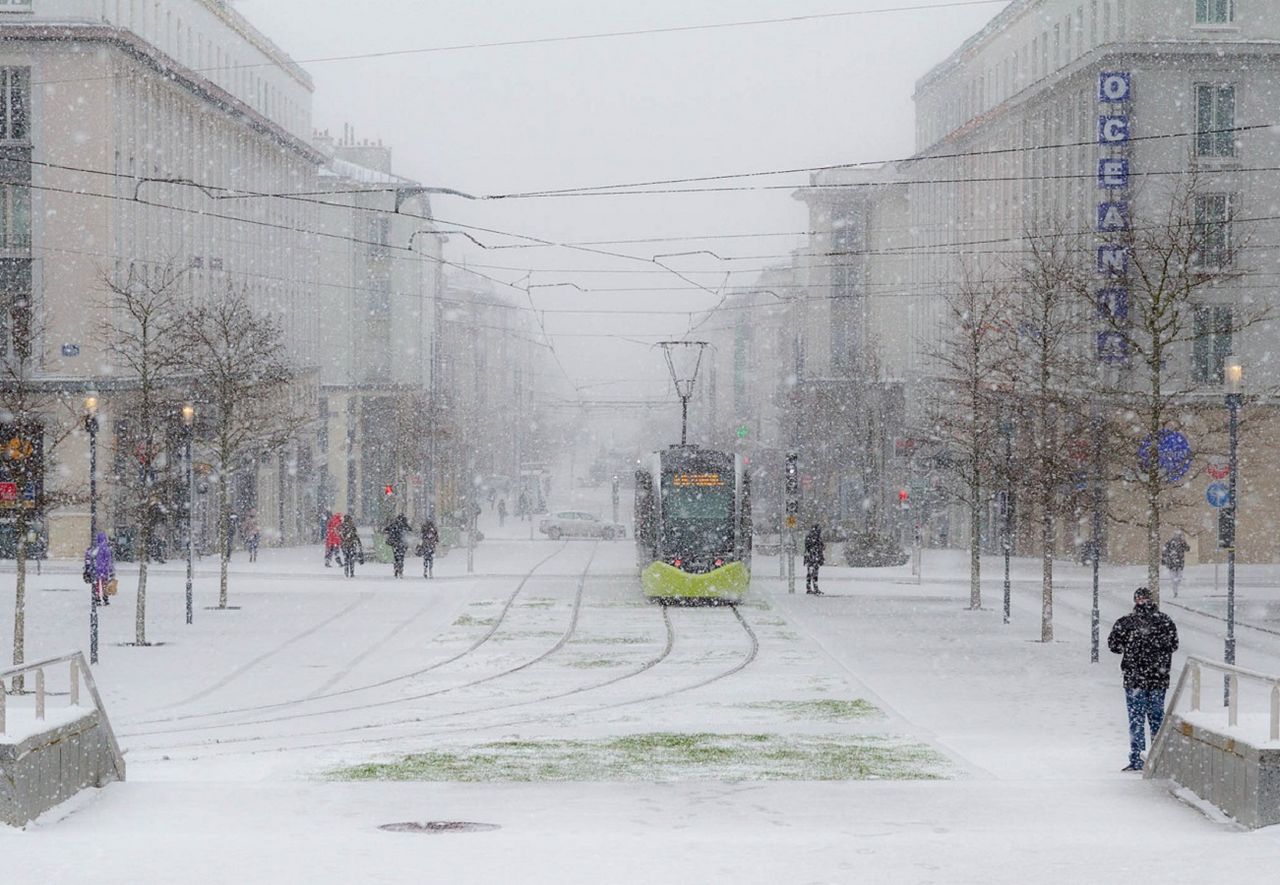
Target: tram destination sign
[(697, 480)]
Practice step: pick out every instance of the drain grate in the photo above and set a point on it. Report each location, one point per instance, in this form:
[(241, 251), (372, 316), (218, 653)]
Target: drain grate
[(439, 826)]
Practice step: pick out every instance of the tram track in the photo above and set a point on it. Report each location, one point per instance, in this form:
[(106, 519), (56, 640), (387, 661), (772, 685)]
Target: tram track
[(388, 702), (746, 660), (382, 683)]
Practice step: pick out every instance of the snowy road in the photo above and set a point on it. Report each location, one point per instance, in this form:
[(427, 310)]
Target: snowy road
[(230, 723)]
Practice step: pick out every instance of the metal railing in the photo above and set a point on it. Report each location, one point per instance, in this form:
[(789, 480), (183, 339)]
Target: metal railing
[(1191, 678), (78, 672)]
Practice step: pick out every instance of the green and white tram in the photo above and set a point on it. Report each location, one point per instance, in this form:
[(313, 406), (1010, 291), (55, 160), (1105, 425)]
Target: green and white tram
[(693, 525)]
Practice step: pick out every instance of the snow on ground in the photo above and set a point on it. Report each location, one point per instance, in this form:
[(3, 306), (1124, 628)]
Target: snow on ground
[(234, 725)]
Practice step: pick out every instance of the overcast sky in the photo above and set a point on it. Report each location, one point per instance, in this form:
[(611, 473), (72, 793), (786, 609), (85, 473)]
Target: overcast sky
[(635, 108)]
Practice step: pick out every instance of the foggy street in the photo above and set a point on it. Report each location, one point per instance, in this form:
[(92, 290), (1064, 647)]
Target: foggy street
[(768, 441)]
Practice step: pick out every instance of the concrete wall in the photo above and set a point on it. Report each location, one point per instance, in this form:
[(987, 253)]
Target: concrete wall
[(46, 769), (1240, 779)]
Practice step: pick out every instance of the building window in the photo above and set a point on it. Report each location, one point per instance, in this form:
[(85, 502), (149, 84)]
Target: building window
[(15, 102), (1215, 120), (15, 217), (15, 5), (1211, 333), (1213, 230), (379, 238), (1215, 12)]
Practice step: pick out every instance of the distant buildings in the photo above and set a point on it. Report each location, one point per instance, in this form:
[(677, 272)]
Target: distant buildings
[(138, 136), (1012, 133)]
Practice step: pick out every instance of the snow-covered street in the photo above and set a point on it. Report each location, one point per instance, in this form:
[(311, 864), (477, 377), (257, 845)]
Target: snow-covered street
[(527, 677)]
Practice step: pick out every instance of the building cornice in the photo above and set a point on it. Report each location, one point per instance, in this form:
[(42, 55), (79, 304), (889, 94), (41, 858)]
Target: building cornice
[(185, 78), (1160, 53), (260, 41)]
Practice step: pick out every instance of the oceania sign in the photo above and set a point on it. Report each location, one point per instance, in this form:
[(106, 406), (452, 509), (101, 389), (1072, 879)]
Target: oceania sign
[(1115, 92)]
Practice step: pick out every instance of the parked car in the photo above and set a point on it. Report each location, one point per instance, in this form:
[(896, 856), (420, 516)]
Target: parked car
[(578, 524)]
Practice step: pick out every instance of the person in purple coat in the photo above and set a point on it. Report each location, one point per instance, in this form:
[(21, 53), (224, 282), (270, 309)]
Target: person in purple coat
[(99, 567)]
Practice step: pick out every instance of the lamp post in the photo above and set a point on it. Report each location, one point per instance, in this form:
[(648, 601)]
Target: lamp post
[(1233, 384), (91, 425), (1095, 543), (188, 424), (1006, 528)]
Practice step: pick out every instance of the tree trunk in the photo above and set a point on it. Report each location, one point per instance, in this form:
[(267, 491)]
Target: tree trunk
[(140, 611), (975, 545), (1046, 590), (20, 602), (1153, 480), (1153, 535), (224, 532)]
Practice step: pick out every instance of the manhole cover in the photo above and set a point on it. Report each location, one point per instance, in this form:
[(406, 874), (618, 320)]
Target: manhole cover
[(439, 826)]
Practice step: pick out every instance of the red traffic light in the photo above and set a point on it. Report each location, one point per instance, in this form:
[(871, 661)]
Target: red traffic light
[(903, 495), (389, 491)]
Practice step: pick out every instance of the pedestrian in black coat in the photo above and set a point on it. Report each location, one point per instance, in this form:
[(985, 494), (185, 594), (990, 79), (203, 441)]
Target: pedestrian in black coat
[(395, 532), (815, 555), (1174, 558), (427, 547), (351, 546), (1146, 639)]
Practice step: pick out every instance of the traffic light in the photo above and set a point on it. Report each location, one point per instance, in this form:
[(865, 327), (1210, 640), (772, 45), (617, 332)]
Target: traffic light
[(1226, 528), (904, 499), (389, 491), (793, 483)]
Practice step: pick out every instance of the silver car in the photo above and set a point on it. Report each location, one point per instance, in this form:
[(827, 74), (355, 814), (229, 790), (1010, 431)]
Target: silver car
[(579, 524)]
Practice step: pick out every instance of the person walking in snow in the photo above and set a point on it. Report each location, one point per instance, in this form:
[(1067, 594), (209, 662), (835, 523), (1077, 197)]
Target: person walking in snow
[(1147, 639), (502, 512), (252, 535), (427, 546), (522, 505), (395, 532), (1174, 558), (815, 555), (351, 546), (99, 567), (333, 539)]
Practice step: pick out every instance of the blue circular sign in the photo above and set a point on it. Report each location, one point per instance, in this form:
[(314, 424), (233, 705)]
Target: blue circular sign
[(1173, 455), (1217, 494)]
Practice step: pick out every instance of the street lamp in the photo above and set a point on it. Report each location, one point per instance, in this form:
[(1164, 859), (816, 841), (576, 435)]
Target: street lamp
[(1233, 385), (91, 425), (188, 424), (1006, 522)]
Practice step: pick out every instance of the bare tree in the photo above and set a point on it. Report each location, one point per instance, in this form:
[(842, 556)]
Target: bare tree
[(964, 401), (1161, 300), (243, 378), (35, 421), (143, 309), (1048, 369)]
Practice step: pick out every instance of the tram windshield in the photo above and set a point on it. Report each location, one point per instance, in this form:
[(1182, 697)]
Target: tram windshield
[(700, 502)]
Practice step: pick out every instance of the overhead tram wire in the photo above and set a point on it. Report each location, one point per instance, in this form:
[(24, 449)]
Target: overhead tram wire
[(222, 192), (575, 38), (915, 158), (938, 248)]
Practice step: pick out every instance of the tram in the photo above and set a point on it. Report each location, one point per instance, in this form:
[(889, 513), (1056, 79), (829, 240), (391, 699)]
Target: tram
[(693, 525)]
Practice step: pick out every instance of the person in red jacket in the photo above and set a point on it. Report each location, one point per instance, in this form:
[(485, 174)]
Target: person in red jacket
[(332, 540)]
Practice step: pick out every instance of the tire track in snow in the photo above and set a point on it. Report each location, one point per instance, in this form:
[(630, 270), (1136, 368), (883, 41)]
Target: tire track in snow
[(564, 638), (748, 659), (370, 686)]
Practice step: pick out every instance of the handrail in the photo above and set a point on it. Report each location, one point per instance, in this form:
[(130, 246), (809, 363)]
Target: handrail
[(1191, 670), (79, 669)]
